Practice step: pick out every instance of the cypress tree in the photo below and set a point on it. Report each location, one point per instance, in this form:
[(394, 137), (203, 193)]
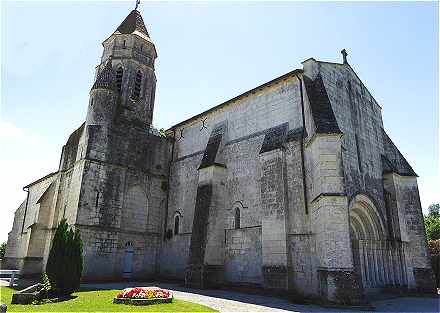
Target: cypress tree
[(78, 258), (65, 262)]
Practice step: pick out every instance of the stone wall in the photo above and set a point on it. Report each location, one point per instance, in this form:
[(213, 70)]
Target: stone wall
[(243, 257), (15, 251), (247, 122), (122, 198), (108, 247), (28, 237), (174, 256), (367, 153), (409, 227)]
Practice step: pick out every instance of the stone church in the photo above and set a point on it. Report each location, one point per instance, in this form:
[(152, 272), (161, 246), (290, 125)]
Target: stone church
[(293, 186)]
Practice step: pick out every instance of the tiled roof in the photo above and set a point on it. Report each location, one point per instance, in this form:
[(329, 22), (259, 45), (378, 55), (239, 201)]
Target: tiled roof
[(106, 78), (393, 161), (322, 112), (212, 148), (275, 138), (133, 22)]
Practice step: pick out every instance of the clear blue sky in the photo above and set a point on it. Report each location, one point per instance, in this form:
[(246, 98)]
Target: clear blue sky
[(208, 53)]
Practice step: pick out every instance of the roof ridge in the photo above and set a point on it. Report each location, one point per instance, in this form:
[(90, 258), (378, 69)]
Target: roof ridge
[(244, 94)]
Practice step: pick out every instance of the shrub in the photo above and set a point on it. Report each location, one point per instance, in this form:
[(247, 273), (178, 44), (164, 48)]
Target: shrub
[(432, 226), (2, 250), (434, 251), (65, 262), (162, 132), (46, 283), (434, 209), (45, 291), (435, 260)]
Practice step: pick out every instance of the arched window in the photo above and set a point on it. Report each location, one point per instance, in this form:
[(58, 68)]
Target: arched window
[(137, 85), (176, 224), (119, 75), (234, 215), (91, 102), (237, 218)]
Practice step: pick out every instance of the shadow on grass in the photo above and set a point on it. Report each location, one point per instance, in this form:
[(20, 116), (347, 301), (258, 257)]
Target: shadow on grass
[(56, 300)]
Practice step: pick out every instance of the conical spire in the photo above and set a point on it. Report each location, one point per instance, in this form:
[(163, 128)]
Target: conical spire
[(106, 78), (132, 23)]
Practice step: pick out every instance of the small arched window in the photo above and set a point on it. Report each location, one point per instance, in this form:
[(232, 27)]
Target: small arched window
[(119, 75), (91, 102), (137, 85), (124, 45), (176, 224), (237, 218)]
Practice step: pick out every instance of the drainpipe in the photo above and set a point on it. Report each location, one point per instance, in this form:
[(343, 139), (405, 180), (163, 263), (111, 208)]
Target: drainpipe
[(306, 205), (25, 209), (168, 183)]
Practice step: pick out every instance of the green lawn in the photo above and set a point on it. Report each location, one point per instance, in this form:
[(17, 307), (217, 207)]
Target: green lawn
[(98, 301)]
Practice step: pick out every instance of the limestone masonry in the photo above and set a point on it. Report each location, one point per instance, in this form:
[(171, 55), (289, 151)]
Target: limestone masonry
[(293, 186)]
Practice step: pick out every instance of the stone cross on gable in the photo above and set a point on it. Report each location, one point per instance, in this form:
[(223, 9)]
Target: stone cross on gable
[(137, 4), (344, 55)]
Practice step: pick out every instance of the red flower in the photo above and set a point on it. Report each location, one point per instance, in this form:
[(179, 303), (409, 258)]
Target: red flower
[(144, 293)]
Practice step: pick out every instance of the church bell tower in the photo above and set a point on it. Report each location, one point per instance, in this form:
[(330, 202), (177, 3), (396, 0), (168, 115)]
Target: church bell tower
[(131, 54)]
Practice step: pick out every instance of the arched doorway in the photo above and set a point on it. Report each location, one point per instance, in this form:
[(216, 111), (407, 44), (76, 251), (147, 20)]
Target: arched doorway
[(377, 260), (127, 269)]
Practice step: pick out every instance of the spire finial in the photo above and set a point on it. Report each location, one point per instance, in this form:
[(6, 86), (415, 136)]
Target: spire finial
[(137, 3), (344, 55)]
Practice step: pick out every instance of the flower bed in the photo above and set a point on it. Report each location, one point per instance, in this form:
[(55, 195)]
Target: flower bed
[(143, 296)]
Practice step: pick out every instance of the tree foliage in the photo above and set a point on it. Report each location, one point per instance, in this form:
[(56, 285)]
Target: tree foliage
[(2, 250), (162, 132), (65, 262), (432, 222), (434, 209)]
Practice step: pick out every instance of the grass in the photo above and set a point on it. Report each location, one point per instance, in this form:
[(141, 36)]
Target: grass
[(98, 301)]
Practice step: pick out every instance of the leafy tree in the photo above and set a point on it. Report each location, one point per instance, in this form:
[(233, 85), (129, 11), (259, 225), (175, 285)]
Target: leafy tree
[(432, 226), (434, 209), (2, 250), (65, 262)]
